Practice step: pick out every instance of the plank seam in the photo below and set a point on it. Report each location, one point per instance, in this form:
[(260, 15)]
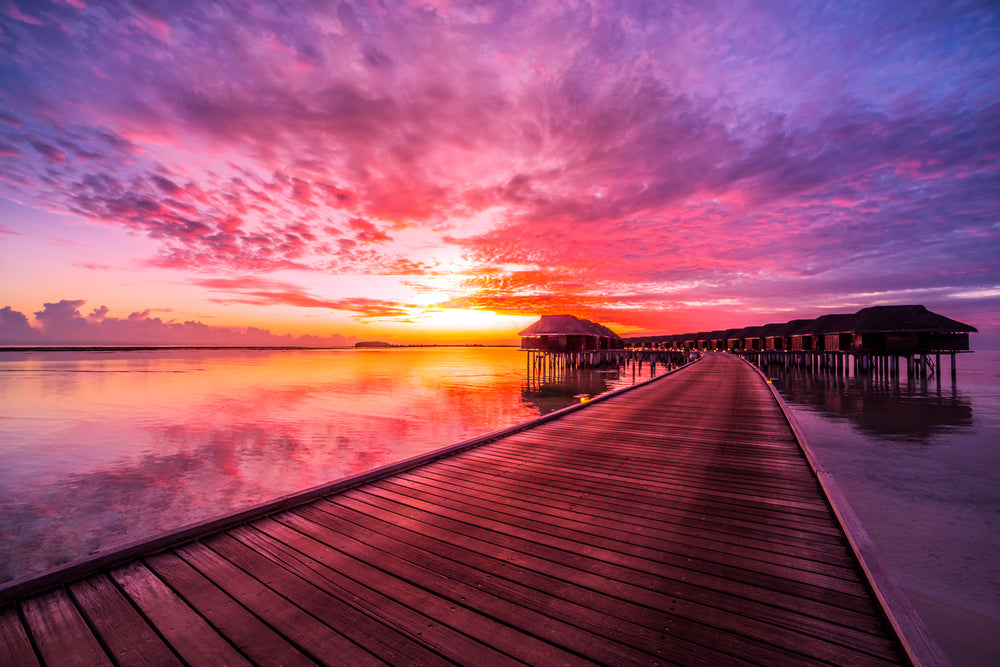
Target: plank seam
[(196, 610), (919, 645), (29, 633), (445, 595)]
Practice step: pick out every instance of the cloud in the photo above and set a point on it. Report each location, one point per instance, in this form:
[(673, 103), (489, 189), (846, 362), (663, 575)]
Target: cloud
[(61, 323), (265, 292), (15, 329), (668, 154), (366, 232)]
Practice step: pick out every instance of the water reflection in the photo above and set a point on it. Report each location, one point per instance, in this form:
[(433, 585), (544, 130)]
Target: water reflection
[(880, 407), (100, 449), (549, 396)]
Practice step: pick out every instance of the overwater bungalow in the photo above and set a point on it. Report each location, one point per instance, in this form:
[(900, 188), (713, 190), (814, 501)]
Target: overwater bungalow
[(773, 335), (568, 334), (750, 338), (904, 330), (557, 344), (894, 330), (811, 335)]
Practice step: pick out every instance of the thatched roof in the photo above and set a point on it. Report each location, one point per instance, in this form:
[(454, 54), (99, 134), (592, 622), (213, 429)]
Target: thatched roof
[(773, 329), (603, 330), (904, 319), (876, 319), (824, 324), (750, 332), (567, 325)]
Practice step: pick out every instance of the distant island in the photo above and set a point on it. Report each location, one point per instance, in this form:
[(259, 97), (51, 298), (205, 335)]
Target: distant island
[(373, 343)]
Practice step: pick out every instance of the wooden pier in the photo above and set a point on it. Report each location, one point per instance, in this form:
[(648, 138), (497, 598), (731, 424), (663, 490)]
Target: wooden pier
[(886, 366), (554, 366), (677, 522)]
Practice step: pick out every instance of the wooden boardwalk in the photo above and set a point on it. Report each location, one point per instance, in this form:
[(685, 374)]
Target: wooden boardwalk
[(678, 522)]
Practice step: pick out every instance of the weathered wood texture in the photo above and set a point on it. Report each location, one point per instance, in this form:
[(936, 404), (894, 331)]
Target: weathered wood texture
[(676, 523)]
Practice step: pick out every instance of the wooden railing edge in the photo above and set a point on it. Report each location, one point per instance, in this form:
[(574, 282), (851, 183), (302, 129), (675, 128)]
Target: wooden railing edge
[(921, 648), (41, 582)]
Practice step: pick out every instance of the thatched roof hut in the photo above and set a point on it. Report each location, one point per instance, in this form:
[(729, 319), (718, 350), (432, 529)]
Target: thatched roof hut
[(899, 319), (878, 329), (567, 333), (907, 329)]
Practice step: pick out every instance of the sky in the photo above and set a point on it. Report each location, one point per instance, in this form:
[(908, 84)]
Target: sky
[(307, 172)]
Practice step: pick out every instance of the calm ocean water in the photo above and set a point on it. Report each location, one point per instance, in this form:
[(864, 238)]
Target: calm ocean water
[(99, 449)]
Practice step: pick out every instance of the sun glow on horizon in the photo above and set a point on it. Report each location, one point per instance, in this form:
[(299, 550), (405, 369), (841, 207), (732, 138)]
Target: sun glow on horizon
[(461, 325)]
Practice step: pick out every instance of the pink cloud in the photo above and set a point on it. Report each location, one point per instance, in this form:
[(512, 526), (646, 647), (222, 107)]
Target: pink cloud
[(261, 291), (656, 155), (366, 232)]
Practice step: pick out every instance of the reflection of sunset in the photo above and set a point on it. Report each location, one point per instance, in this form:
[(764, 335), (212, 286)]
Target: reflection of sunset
[(187, 435)]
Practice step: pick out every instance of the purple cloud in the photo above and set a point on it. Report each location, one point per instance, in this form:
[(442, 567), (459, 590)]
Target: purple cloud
[(766, 154)]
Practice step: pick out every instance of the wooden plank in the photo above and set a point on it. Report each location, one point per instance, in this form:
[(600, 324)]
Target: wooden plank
[(641, 545), (611, 578), (517, 476), (675, 459), (639, 571), (636, 609), (321, 642), (15, 646), (567, 604), (184, 629), (60, 633), (658, 485), (128, 636), (656, 477), (666, 487), (594, 499), (920, 646), (680, 460), (247, 632), (609, 524), (433, 576), (533, 592), (768, 577), (368, 634), (456, 632)]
